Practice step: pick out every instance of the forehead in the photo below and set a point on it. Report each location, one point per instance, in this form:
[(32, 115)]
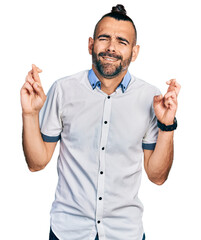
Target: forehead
[(111, 26)]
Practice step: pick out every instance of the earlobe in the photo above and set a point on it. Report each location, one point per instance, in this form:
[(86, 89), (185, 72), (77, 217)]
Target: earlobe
[(136, 50), (90, 45)]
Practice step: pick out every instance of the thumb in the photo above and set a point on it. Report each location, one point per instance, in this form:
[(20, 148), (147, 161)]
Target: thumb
[(158, 98)]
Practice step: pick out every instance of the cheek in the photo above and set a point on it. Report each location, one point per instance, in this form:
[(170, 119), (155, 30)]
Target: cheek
[(127, 54), (100, 47)]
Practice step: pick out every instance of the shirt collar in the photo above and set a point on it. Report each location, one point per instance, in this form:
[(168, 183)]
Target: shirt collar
[(94, 81)]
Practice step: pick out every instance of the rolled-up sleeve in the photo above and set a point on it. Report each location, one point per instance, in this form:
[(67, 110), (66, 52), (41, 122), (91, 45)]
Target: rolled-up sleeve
[(151, 135), (50, 116)]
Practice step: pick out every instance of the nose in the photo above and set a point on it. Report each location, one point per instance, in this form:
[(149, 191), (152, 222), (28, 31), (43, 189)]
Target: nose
[(111, 46)]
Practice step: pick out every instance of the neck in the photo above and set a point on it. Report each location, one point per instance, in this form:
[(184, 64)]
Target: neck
[(109, 85)]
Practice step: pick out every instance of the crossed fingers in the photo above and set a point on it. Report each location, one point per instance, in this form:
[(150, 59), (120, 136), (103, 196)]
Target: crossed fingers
[(33, 75), (170, 98), (173, 86)]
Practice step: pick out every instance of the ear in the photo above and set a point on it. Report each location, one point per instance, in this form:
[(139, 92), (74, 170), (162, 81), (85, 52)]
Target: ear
[(136, 50), (90, 45)]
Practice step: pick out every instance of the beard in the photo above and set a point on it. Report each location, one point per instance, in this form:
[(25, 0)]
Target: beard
[(109, 70)]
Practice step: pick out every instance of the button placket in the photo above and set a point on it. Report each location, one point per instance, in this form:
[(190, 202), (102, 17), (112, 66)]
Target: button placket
[(101, 176)]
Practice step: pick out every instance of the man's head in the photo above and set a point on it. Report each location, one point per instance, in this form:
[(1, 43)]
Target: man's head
[(118, 13), (113, 46)]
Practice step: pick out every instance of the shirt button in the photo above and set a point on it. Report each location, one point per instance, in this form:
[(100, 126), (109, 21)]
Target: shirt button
[(100, 198), (108, 97), (98, 221), (103, 148), (105, 122), (101, 172)]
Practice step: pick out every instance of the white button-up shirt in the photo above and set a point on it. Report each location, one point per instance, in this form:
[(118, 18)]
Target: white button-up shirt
[(100, 161)]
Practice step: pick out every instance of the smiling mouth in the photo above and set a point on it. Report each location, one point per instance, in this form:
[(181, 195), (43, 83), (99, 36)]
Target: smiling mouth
[(110, 59)]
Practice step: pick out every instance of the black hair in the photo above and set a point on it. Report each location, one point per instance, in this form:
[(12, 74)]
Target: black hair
[(118, 13)]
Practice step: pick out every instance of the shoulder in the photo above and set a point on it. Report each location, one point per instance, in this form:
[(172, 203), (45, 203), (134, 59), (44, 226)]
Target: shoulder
[(74, 79), (144, 86), (70, 87), (70, 82)]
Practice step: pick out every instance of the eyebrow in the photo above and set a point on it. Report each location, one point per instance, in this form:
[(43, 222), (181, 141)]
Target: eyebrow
[(119, 38), (104, 35)]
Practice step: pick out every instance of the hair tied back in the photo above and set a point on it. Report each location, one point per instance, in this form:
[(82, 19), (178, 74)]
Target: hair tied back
[(119, 9)]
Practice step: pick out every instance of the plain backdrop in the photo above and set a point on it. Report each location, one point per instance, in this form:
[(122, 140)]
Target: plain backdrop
[(54, 36)]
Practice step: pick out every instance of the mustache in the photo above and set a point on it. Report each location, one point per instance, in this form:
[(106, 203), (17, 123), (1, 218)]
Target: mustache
[(106, 54)]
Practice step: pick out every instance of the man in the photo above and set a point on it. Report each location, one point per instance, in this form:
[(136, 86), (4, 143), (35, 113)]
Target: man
[(106, 120)]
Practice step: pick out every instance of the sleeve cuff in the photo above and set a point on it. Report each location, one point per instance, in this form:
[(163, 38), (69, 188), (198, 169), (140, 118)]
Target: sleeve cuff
[(148, 146), (50, 139)]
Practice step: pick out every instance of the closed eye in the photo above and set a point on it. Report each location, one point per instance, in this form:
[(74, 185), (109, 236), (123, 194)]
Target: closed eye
[(123, 43), (123, 40)]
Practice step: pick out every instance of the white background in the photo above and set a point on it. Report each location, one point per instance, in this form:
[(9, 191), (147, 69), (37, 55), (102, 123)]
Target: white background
[(54, 36)]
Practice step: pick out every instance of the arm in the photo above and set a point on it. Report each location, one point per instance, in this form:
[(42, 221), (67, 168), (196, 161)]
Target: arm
[(37, 152), (158, 163)]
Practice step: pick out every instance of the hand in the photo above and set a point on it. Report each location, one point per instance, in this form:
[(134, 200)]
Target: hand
[(165, 107), (32, 94)]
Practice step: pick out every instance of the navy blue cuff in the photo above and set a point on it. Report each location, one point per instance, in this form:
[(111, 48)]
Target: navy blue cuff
[(50, 139), (148, 146)]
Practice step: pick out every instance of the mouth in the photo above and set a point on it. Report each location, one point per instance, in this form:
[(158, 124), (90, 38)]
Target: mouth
[(110, 59)]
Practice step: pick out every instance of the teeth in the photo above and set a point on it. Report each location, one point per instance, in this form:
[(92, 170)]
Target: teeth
[(110, 59)]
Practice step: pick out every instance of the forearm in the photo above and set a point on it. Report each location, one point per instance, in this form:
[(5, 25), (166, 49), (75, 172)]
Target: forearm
[(161, 159), (34, 148)]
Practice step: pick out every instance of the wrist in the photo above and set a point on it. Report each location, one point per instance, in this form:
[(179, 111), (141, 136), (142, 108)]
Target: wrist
[(165, 133), (168, 127), (30, 114)]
